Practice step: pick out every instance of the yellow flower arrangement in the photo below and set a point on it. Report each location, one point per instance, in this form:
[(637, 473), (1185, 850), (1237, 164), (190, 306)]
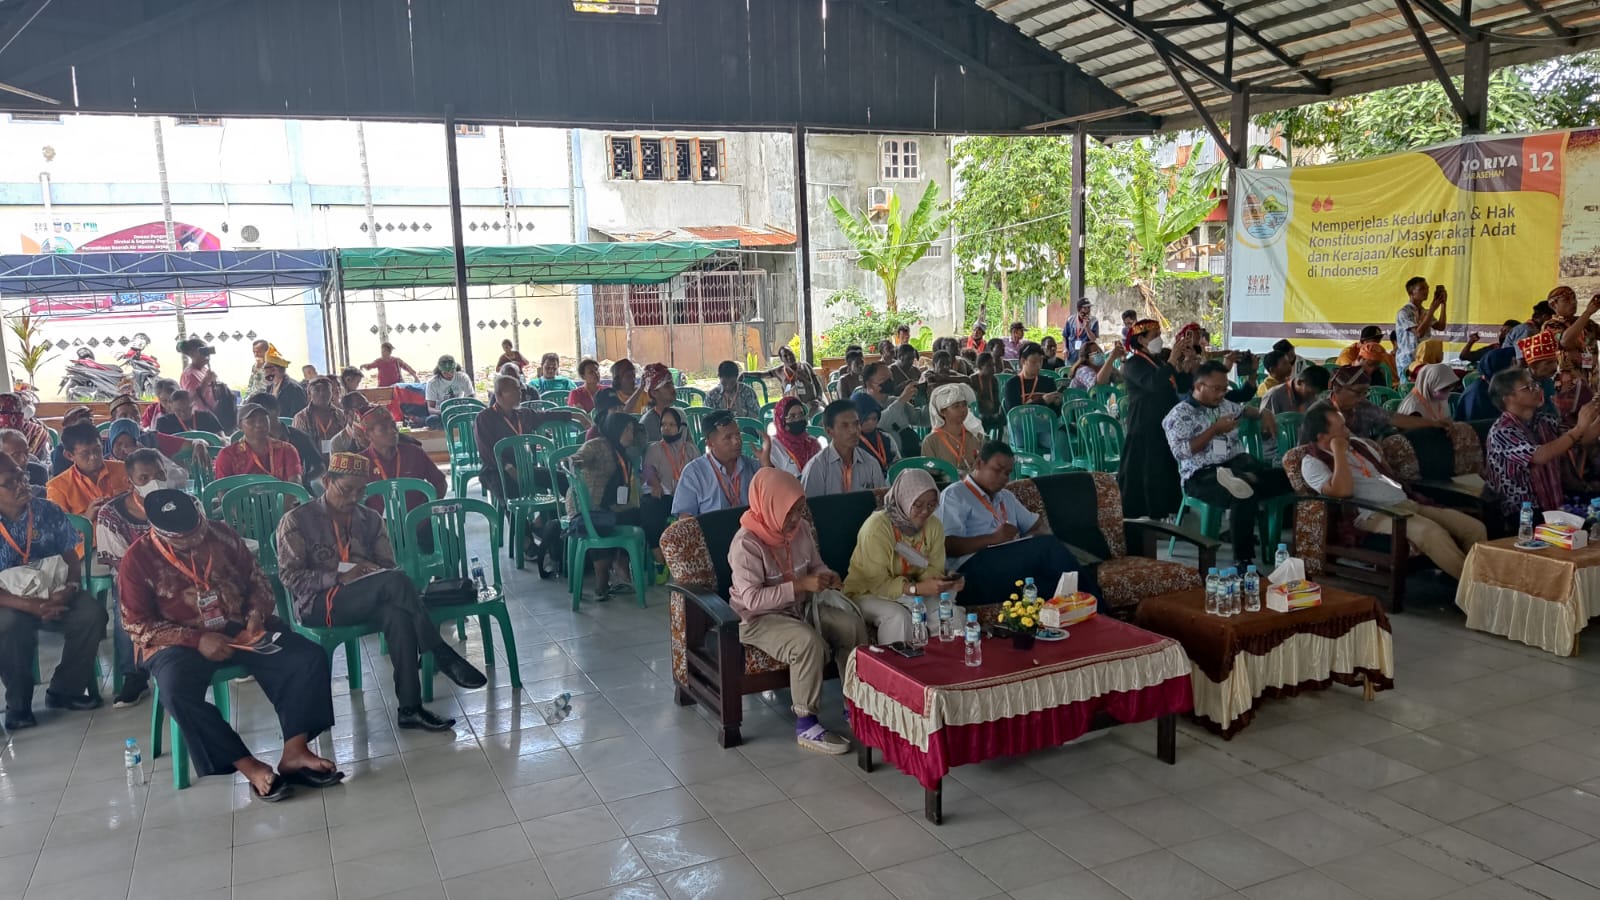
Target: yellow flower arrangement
[(1020, 617)]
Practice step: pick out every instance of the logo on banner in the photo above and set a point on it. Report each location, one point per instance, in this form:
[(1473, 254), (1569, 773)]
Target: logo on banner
[(1258, 286), (1265, 215)]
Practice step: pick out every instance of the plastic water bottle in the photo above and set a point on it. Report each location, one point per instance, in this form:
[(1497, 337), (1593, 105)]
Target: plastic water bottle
[(1281, 557), (478, 578), (1525, 523), (1030, 591), (1252, 590), (1230, 592), (947, 613), (974, 641), (133, 760), (919, 623), (1594, 521), (1213, 592)]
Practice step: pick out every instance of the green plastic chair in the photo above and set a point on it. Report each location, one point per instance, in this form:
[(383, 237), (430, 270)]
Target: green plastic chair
[(1031, 465), (98, 586), (693, 420), (757, 384), (254, 510), (1287, 430), (1072, 393), (461, 438), (220, 679), (395, 492), (767, 408), (1102, 435), (455, 403), (451, 559), (941, 471), (754, 427), (629, 538), (211, 495), (1250, 435), (1382, 395), (1033, 426), (559, 398), (752, 444), (103, 427), (1454, 400), (1391, 405), (816, 418), (1104, 397), (688, 396), (581, 416), (536, 405), (529, 453), (54, 436), (561, 434), (215, 441)]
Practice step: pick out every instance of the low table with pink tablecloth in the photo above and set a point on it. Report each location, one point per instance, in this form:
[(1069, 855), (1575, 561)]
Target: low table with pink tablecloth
[(931, 713), (1542, 598)]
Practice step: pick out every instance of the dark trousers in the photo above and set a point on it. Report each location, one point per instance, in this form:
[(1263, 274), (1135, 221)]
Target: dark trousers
[(390, 601), (1268, 481), (82, 626), (295, 680), (992, 574), (654, 516)]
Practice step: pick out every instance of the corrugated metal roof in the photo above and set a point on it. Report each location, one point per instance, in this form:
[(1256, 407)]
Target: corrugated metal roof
[(1326, 48), (746, 235)]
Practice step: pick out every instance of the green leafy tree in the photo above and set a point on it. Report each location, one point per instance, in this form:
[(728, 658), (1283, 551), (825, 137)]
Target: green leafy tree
[(1523, 98), (1163, 207), (889, 250)]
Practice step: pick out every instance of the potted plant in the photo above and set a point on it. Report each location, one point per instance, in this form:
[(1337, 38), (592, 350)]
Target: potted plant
[(33, 350), (1021, 619)]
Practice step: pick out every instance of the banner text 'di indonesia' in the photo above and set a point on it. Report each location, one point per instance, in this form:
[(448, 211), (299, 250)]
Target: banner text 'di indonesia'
[(1318, 252)]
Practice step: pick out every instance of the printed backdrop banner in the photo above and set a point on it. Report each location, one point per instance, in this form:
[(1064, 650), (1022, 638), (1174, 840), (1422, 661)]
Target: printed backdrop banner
[(1318, 252)]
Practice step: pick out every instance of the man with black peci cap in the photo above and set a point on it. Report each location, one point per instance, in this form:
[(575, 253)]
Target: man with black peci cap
[(193, 599), (335, 558)]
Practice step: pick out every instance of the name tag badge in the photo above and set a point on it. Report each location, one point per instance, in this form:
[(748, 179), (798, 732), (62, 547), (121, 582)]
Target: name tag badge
[(622, 495), (327, 446), (210, 604)]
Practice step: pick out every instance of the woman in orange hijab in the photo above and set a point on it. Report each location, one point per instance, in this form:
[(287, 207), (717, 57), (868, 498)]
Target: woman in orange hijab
[(788, 602)]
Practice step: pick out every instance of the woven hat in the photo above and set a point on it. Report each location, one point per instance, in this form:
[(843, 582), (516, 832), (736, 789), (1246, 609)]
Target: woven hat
[(1539, 347), (1143, 327), (274, 360), (120, 401), (1350, 377), (349, 464)]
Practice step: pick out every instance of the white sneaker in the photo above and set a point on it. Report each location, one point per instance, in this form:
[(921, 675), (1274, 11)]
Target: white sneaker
[(1233, 484), (819, 740)]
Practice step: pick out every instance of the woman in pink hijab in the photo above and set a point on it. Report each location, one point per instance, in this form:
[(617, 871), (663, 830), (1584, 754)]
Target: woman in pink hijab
[(788, 602)]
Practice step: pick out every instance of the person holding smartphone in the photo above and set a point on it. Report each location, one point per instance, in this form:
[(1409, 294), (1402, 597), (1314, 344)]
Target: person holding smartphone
[(900, 556)]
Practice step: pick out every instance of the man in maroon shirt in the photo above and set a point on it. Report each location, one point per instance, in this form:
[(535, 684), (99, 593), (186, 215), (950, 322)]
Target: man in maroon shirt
[(394, 458)]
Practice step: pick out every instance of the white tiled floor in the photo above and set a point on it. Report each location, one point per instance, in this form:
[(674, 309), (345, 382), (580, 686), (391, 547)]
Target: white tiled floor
[(1479, 777)]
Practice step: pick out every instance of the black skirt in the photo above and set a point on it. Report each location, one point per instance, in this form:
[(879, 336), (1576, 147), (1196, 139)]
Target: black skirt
[(1149, 477)]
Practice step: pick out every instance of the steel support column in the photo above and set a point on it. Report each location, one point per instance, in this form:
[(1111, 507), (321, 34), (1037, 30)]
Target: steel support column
[(802, 226), (1238, 158), (458, 241), (1475, 87), (1078, 250)]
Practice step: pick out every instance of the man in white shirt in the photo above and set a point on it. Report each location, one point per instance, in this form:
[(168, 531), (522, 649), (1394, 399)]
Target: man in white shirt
[(844, 465), (1344, 466)]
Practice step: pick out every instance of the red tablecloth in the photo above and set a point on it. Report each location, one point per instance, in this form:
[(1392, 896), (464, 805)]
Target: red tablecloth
[(933, 712)]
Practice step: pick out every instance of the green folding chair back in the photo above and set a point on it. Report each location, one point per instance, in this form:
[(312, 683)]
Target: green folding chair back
[(455, 403), (1032, 428), (450, 521), (1287, 428), (688, 396), (559, 398), (529, 454), (628, 538), (211, 494), (1103, 437), (561, 434), (942, 472), (395, 492), (215, 441), (254, 510)]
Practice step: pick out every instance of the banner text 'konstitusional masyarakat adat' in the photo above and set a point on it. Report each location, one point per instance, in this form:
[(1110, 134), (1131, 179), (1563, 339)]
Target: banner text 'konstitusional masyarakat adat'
[(1318, 252)]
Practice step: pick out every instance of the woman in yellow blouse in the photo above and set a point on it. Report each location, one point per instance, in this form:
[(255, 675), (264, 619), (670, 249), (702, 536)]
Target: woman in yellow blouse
[(900, 555), (955, 437), (607, 468)]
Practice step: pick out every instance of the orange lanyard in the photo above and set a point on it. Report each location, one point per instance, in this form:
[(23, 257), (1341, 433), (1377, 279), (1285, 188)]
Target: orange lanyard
[(514, 421), (202, 583), (730, 487), (676, 465), (266, 468), (1026, 387), (24, 553), (1156, 366), (999, 515), (340, 541), (882, 453), (847, 470), (187, 426), (960, 452), (316, 423), (627, 471), (905, 565)]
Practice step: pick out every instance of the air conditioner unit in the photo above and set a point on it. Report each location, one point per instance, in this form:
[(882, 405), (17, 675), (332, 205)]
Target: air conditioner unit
[(878, 199)]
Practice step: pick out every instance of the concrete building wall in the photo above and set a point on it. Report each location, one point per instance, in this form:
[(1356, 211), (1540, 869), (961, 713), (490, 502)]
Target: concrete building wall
[(846, 166)]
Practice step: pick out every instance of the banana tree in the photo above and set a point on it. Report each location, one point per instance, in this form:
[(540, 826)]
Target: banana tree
[(32, 351), (889, 250), (1163, 206)]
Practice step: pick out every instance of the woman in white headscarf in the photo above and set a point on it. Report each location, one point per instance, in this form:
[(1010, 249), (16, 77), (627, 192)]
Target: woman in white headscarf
[(899, 556), (1430, 396), (956, 435)]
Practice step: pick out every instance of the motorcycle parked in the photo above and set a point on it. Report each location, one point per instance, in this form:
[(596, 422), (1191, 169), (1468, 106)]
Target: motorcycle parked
[(87, 379), (143, 368)]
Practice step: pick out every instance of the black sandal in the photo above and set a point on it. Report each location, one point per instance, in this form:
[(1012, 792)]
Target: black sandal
[(313, 778), (279, 789)]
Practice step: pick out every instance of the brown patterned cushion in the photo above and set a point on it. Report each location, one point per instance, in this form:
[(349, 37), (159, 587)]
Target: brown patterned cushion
[(1310, 519), (1469, 450), (684, 546), (1128, 579), (1401, 457)]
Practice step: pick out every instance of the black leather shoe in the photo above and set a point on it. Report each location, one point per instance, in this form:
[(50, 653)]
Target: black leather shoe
[(18, 719), (423, 718), (79, 702), (458, 669)]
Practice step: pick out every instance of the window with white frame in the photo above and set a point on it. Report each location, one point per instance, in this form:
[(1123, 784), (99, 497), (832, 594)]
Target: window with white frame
[(900, 160)]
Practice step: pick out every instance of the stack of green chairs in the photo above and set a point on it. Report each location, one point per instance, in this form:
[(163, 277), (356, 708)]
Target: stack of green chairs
[(529, 453), (460, 436), (455, 403), (451, 559), (628, 538), (559, 398)]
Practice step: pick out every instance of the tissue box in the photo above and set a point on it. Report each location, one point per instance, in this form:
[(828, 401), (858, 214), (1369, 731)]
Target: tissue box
[(1059, 612), (1294, 595), (1564, 536)]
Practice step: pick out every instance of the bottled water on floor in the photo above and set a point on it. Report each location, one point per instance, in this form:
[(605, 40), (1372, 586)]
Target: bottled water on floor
[(557, 710), (919, 622), (1252, 590), (974, 641), (947, 622), (133, 761)]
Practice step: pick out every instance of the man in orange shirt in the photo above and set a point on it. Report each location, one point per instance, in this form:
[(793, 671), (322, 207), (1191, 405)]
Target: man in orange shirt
[(92, 479)]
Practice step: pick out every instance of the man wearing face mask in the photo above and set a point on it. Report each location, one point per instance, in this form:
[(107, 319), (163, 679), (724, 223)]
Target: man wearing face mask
[(335, 558), (117, 525), (194, 599), (291, 396)]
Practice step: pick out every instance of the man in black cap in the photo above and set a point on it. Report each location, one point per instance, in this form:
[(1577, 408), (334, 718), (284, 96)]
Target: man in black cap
[(193, 599), (335, 558)]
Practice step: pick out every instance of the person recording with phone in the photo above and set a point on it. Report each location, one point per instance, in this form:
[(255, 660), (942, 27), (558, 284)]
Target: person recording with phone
[(899, 556)]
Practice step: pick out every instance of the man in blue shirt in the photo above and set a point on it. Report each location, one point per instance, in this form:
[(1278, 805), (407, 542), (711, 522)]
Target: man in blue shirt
[(994, 541), (31, 532), (721, 478)]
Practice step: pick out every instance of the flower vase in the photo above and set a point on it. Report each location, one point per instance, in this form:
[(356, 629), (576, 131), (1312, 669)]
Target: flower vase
[(1021, 640)]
